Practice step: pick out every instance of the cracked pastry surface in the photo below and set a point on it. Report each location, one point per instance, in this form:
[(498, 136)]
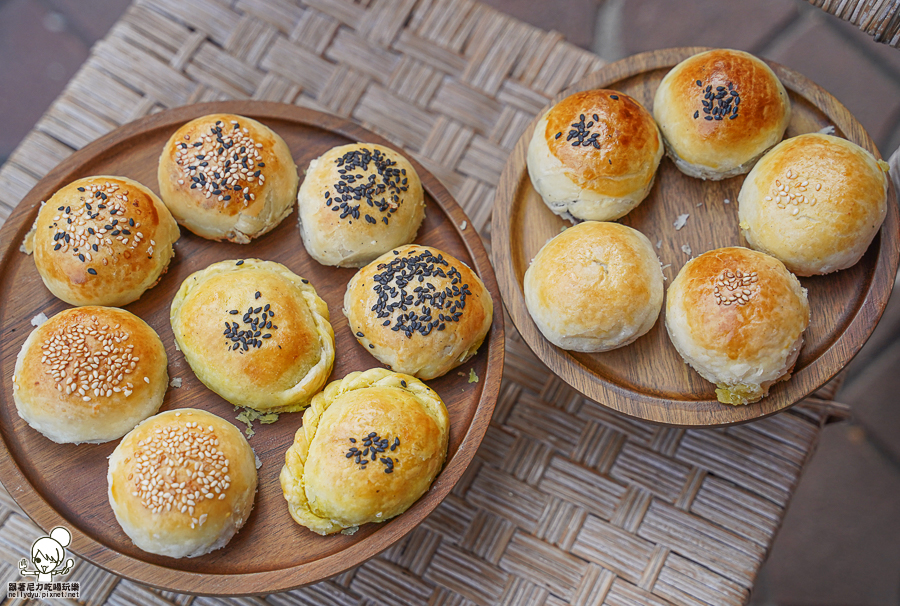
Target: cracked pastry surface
[(370, 446)]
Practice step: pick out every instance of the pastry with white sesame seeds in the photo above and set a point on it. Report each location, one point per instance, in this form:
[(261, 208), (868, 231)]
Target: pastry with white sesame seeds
[(593, 156), (719, 111), (370, 446), (90, 374), (357, 202), (228, 177), (419, 310), (255, 333), (102, 241), (182, 483), (737, 316), (815, 202)]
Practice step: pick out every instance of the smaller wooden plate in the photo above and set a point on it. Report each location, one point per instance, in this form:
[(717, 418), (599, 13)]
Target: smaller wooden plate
[(65, 484), (648, 379)]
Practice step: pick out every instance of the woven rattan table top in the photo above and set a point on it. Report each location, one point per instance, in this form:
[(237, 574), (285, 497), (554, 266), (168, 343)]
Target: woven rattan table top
[(565, 503), (878, 18)]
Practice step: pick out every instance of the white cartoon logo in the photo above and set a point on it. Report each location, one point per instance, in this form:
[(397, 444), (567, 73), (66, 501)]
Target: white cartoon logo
[(47, 555)]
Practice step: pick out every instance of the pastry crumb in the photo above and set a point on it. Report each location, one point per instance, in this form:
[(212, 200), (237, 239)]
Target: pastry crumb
[(727, 201), (473, 378), (686, 249), (679, 223), (39, 319), (176, 382), (464, 225), (828, 130), (659, 244), (257, 460), (249, 415)]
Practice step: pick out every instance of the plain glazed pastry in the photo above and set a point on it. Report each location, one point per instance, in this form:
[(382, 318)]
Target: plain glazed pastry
[(737, 316), (227, 177), (255, 333), (371, 444), (89, 374), (418, 310), (102, 241), (595, 287), (815, 202), (182, 483), (594, 155), (719, 111), (357, 202)]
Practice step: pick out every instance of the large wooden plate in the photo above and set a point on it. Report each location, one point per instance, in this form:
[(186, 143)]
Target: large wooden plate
[(66, 485), (648, 379)]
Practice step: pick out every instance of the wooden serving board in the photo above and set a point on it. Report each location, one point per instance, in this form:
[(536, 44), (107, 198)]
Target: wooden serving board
[(648, 379), (66, 484)]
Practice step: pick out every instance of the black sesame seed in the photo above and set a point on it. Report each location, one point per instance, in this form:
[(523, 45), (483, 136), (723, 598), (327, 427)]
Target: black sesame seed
[(239, 263), (92, 271)]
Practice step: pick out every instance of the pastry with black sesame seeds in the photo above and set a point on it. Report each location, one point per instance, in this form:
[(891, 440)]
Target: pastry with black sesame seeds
[(594, 155), (89, 374), (102, 240), (182, 483), (719, 111), (227, 177), (370, 446), (357, 202), (255, 333), (419, 310)]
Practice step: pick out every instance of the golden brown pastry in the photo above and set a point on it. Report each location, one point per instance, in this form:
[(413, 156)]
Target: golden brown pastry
[(418, 310), (255, 333), (737, 316), (594, 287), (594, 155), (102, 241), (371, 444), (719, 111), (182, 483), (90, 374), (227, 177), (357, 202), (815, 202)]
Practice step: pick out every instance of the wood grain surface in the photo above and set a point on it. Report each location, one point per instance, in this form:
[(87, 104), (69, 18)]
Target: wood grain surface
[(66, 484), (648, 379)]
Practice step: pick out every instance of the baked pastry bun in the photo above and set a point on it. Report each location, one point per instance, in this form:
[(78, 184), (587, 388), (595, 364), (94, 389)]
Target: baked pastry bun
[(595, 287), (815, 202), (277, 346), (182, 483), (371, 444), (418, 310), (90, 374), (357, 202), (102, 241), (227, 177), (719, 111), (594, 155), (737, 316)]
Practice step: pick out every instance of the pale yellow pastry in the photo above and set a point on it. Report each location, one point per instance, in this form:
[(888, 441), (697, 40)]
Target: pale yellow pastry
[(594, 287), (419, 310), (182, 483), (89, 374), (102, 241), (594, 155), (255, 333), (371, 444), (737, 316), (719, 111), (815, 202), (357, 202), (227, 177)]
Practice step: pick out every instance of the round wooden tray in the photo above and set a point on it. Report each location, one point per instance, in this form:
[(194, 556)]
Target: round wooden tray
[(648, 379), (66, 485)]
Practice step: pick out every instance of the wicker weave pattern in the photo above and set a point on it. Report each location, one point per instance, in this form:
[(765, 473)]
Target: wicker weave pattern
[(878, 18), (565, 503)]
